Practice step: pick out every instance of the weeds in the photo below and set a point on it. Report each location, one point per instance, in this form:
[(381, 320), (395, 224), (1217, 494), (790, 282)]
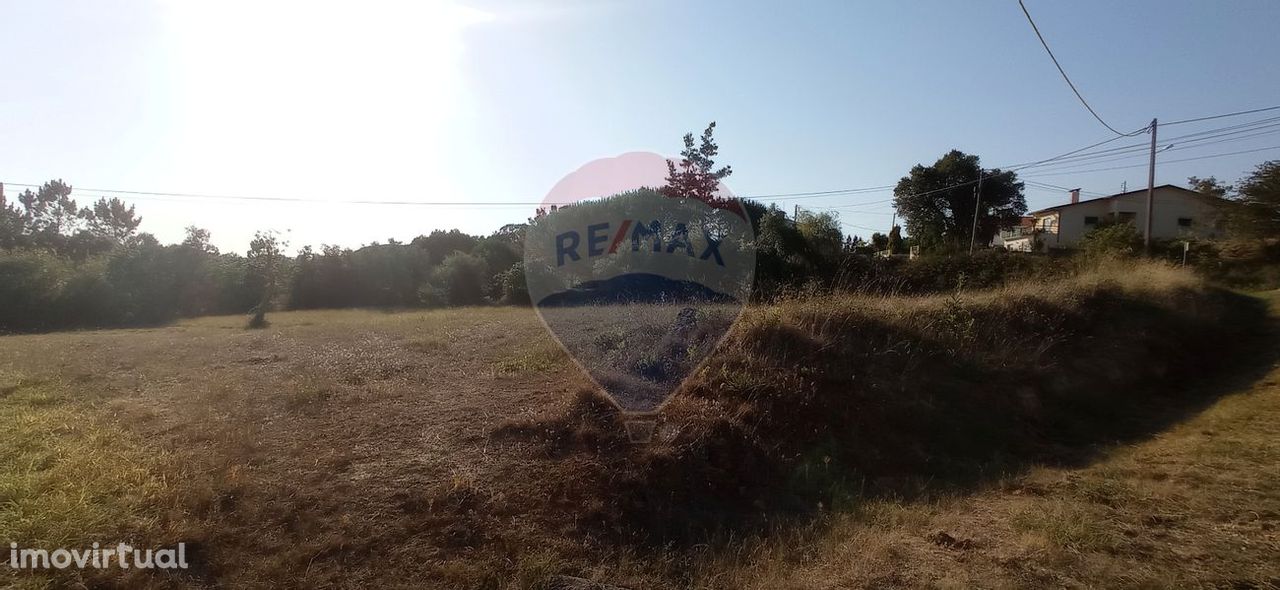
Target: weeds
[(543, 358), (69, 477)]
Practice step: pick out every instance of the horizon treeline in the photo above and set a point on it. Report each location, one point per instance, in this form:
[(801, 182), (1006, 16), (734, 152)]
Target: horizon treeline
[(64, 266)]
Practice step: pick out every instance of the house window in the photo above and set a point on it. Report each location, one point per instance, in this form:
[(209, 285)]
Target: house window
[(1090, 220), (1184, 222), (1127, 216)]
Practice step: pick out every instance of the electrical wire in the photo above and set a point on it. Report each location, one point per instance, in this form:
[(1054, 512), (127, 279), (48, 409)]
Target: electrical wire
[(1038, 174), (1076, 156), (1064, 73), (1180, 146), (1249, 112)]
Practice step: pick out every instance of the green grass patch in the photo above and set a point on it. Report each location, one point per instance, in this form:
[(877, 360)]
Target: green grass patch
[(1069, 525), (540, 358), (68, 477)]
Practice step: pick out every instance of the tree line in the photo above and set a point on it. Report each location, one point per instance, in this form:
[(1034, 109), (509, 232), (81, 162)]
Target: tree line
[(66, 266), (59, 277)]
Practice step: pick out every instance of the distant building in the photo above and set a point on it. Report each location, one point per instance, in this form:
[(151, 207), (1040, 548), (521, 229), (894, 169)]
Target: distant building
[(1018, 238), (1179, 213)]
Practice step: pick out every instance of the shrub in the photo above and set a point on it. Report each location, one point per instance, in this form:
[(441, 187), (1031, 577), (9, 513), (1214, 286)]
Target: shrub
[(461, 278), (29, 282), (1112, 240), (512, 288), (143, 284), (1247, 264)]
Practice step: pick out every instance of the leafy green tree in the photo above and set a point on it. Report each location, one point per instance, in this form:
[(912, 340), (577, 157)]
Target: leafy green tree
[(497, 252), (880, 241), (388, 275), (937, 201), (821, 232), (513, 286), (11, 226), (199, 240), (113, 220), (440, 244), (697, 176), (50, 216), (30, 283), (512, 233), (1256, 213), (144, 280), (1210, 186), (783, 255), (266, 262), (461, 279)]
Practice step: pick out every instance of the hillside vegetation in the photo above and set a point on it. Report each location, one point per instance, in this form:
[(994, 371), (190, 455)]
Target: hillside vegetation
[(1025, 435), (815, 404)]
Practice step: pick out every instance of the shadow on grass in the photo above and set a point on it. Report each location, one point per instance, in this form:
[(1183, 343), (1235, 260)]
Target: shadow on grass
[(813, 409)]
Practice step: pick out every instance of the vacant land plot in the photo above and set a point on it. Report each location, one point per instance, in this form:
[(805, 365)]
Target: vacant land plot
[(455, 448)]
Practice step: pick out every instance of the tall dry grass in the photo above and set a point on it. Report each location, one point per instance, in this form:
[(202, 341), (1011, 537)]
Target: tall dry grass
[(823, 402)]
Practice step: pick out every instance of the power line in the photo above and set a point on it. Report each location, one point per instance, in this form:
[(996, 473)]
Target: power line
[(1016, 167), (1143, 147), (1189, 138), (1250, 130), (1073, 157), (1203, 142), (1077, 157), (862, 227), (1064, 73), (1164, 161), (1053, 187), (839, 210), (1056, 187), (272, 198), (862, 204), (1181, 121), (289, 199), (813, 194)]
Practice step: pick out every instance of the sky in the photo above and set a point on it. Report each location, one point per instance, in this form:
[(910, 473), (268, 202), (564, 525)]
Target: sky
[(470, 102)]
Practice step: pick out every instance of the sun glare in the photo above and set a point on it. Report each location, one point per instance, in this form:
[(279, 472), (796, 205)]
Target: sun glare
[(321, 97)]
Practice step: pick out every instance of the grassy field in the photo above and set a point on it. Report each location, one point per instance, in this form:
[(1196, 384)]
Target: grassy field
[(1122, 430)]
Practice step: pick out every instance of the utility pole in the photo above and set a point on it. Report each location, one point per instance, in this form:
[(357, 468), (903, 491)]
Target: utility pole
[(1151, 190), (977, 200)]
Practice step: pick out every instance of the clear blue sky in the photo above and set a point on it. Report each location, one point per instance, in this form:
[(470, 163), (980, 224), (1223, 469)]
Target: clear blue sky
[(478, 101)]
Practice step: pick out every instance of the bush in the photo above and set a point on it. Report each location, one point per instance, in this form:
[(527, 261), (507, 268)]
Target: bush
[(1246, 264), (937, 273), (1112, 240), (461, 279), (512, 287), (30, 284), (145, 284)]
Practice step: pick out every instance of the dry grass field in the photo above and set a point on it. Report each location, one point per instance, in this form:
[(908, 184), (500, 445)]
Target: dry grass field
[(1122, 430)]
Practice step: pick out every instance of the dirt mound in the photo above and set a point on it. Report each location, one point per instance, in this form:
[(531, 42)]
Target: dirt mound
[(812, 405)]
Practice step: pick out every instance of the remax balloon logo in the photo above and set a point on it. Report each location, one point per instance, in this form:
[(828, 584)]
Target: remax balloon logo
[(638, 283)]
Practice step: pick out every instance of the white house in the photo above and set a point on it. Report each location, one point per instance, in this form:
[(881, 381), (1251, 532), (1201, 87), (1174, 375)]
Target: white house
[(1177, 213)]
